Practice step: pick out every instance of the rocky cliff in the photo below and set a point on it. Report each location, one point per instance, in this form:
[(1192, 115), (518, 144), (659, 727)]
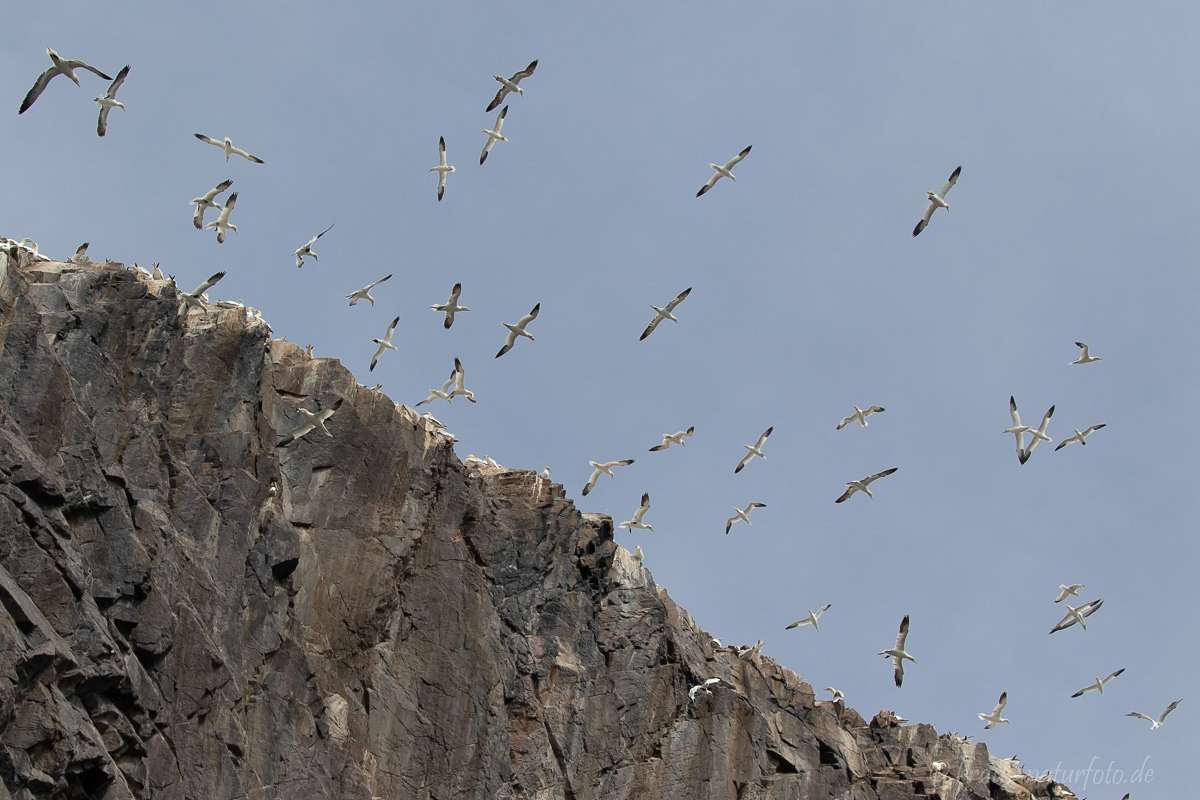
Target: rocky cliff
[(388, 624)]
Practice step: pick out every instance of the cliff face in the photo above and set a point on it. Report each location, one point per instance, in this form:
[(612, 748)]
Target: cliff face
[(389, 624)]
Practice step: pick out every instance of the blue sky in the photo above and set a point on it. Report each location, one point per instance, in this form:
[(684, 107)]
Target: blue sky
[(1073, 220)]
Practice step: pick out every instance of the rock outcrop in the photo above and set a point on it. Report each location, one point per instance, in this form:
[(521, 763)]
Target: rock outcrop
[(388, 624)]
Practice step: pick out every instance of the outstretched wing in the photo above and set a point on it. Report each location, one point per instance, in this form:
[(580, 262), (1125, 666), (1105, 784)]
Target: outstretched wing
[(949, 184), (733, 162)]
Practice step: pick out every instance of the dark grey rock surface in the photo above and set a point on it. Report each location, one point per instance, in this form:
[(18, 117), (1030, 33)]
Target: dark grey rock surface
[(390, 625)]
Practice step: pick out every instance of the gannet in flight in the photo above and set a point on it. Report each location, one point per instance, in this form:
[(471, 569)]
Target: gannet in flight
[(837, 695), (61, 67), (384, 344), (1079, 437), (937, 200), (993, 719), (673, 438), (1018, 430), (1039, 435), (109, 99), (636, 522), (442, 168), (443, 393), (493, 135), (861, 485), (1099, 685), (742, 514), (311, 420), (195, 299), (812, 618), (206, 201), (723, 171), (1155, 724), (306, 250), (1084, 358), (229, 149), (755, 450), (605, 468), (664, 313), (510, 85), (1077, 614), (460, 390), (1067, 591), (519, 330), (451, 306), (221, 223), (897, 653), (365, 292), (860, 415), (702, 688)]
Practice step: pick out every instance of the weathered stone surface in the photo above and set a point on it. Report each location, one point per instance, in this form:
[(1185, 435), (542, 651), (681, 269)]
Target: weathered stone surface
[(390, 625)]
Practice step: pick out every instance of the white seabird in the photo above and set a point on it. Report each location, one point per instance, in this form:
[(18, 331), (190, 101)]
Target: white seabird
[(605, 468), (746, 651), (664, 313), (993, 719), (206, 201), (1155, 724), (61, 67), (451, 306), (1067, 591), (860, 415), (1018, 430), (812, 618), (1076, 614), (460, 390), (384, 344), (755, 450), (702, 687), (673, 438), (545, 473), (1038, 434), (80, 256), (311, 420), (228, 147), (636, 522), (442, 168), (861, 485), (493, 135), (221, 223), (937, 200), (723, 171), (1084, 358), (638, 555), (837, 694), (306, 250), (1099, 685), (195, 299), (365, 292), (1079, 436), (109, 99), (443, 393), (519, 330), (898, 653), (742, 515), (510, 85)]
